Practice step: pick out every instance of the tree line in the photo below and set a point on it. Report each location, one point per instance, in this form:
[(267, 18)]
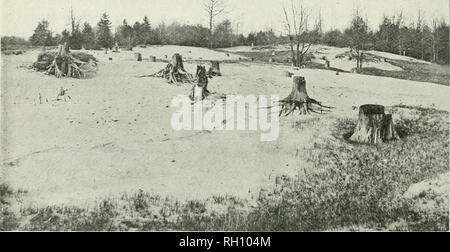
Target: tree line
[(422, 40)]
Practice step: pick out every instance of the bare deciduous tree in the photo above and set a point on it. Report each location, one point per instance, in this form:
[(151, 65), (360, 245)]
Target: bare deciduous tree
[(213, 8), (296, 26)]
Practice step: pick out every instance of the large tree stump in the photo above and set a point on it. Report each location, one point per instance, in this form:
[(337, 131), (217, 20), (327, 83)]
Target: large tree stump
[(65, 64), (374, 126), (200, 89), (174, 72), (299, 99), (214, 70)]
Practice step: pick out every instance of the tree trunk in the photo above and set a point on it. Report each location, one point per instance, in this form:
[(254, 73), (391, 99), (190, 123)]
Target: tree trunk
[(214, 70), (374, 126), (299, 99), (294, 61)]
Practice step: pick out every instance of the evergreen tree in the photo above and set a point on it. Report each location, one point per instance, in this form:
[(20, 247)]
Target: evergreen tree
[(65, 37), (138, 37), (88, 36), (358, 34), (76, 38), (223, 34), (42, 36), (104, 34), (146, 31), (125, 34)]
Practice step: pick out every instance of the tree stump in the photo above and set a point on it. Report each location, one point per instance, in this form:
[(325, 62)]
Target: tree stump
[(116, 48), (374, 126), (214, 70), (63, 63), (152, 59), (174, 72), (138, 56), (200, 89), (299, 99), (327, 64)]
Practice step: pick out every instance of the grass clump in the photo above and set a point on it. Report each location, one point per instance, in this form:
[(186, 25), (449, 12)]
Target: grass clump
[(361, 186)]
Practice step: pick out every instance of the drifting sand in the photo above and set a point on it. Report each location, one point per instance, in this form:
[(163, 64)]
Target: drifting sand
[(114, 134)]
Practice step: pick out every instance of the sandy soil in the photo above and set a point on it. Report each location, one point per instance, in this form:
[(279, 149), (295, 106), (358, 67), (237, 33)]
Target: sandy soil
[(330, 53), (114, 134)]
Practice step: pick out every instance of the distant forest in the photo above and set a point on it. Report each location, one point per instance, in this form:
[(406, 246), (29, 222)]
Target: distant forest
[(420, 39)]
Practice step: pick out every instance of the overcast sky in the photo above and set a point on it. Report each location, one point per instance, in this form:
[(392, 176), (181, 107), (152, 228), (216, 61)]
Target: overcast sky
[(20, 17)]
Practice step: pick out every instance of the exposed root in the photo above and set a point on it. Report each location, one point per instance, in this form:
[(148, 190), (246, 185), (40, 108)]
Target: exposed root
[(174, 72), (299, 99), (304, 107), (64, 64)]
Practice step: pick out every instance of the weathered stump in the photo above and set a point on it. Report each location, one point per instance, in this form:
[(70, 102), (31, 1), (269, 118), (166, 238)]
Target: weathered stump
[(200, 89), (299, 99), (174, 72), (138, 56), (116, 48), (63, 63), (374, 126), (152, 59), (214, 70)]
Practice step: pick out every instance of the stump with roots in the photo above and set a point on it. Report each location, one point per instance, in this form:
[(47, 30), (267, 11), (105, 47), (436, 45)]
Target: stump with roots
[(299, 99), (374, 126), (174, 72), (214, 70), (200, 89), (65, 64)]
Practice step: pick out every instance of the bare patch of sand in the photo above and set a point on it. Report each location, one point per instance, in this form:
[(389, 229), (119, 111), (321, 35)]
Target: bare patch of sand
[(114, 134)]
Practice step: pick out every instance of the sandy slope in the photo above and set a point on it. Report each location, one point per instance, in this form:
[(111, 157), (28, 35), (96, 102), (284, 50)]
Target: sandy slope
[(330, 53), (189, 53), (114, 134)]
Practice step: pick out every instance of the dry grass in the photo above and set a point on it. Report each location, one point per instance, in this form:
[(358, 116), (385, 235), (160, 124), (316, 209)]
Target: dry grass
[(414, 71), (344, 187)]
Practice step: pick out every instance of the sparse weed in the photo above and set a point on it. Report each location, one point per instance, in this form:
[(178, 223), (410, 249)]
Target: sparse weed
[(345, 187)]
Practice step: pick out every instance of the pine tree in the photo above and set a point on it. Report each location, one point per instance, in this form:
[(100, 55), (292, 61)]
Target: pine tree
[(359, 37), (137, 34), (88, 36), (42, 36), (104, 34), (124, 36), (146, 31)]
